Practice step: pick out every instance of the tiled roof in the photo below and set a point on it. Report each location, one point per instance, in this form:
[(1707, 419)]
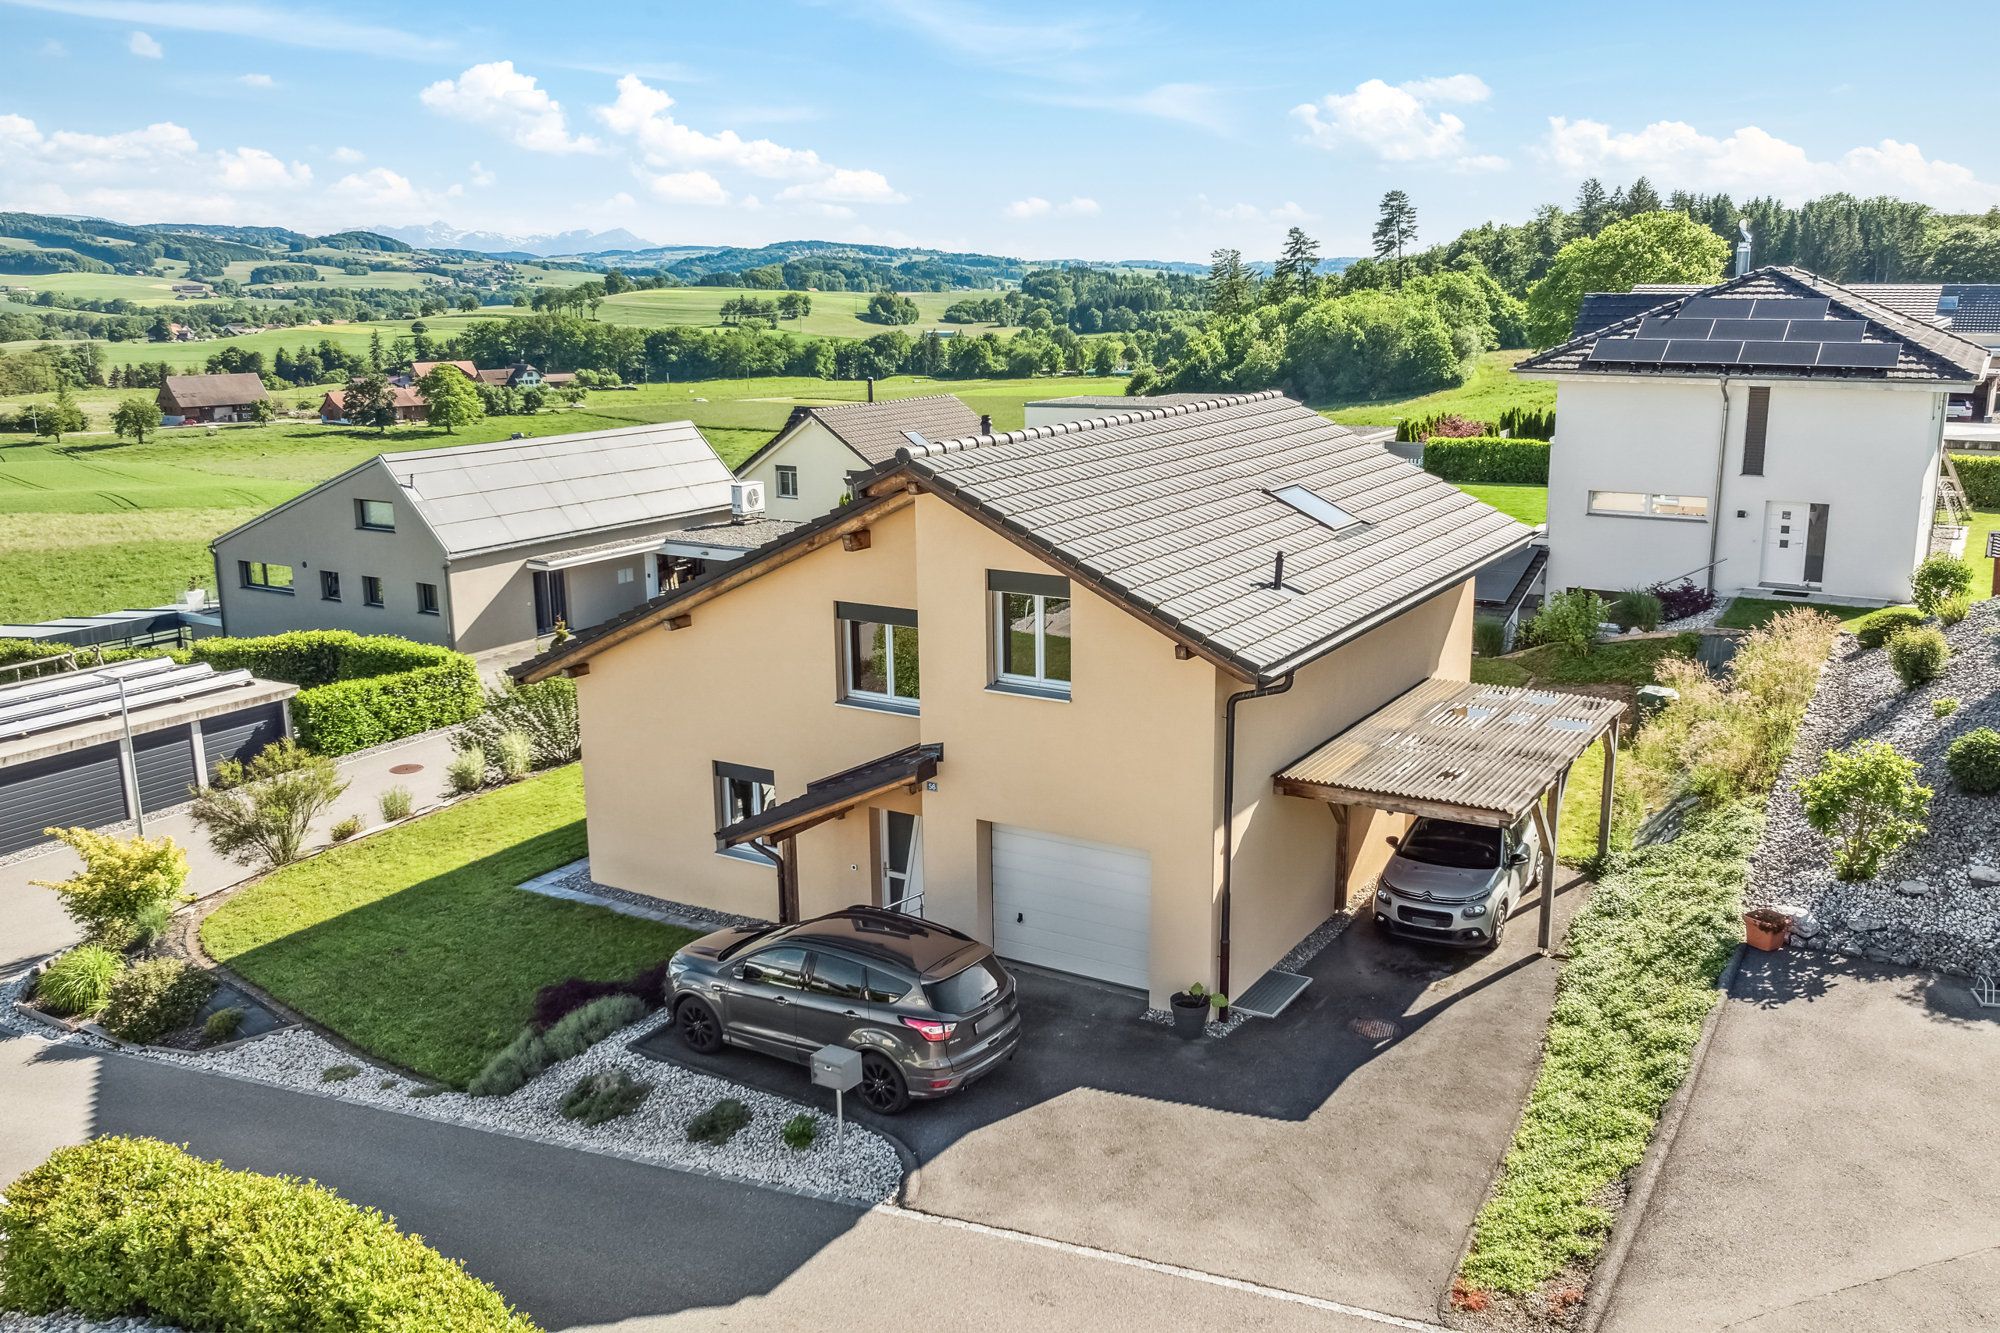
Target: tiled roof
[(215, 390), (405, 396), (482, 497), (1928, 354), (1603, 309), (875, 430), (1118, 402), (1978, 306)]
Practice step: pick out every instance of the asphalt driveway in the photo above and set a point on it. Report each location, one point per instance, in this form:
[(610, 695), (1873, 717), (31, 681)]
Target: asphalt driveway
[(1339, 1151)]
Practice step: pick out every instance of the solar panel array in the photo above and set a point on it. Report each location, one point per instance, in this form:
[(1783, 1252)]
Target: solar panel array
[(1783, 333)]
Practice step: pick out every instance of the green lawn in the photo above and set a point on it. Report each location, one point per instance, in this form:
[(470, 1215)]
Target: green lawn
[(834, 314), (1755, 612), (1529, 504), (1630, 662), (416, 946), (1492, 387)]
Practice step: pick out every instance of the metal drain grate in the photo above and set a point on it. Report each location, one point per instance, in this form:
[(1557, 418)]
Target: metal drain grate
[(1986, 993), (1269, 994)]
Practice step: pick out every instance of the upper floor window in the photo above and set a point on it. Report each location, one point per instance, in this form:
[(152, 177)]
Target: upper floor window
[(1031, 634), (1639, 504), (329, 586), (375, 515), (266, 577), (427, 599), (788, 483), (879, 655)]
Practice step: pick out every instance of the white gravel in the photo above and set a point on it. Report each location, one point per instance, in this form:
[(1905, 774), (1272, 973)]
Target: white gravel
[(1926, 907), (66, 1322)]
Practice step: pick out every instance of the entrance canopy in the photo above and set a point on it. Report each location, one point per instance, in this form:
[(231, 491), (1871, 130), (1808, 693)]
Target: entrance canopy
[(833, 796), (1481, 754)]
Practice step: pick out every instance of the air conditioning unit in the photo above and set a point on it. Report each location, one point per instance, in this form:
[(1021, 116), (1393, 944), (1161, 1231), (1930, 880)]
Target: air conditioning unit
[(746, 499)]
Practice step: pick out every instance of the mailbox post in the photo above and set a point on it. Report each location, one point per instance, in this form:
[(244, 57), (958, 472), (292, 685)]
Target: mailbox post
[(1993, 554), (838, 1068)]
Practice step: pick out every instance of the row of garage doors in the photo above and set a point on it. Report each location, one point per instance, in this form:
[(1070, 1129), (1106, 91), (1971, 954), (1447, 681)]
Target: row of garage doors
[(1073, 906), (86, 787)]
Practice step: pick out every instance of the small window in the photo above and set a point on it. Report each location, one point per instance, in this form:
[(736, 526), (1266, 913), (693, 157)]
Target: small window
[(788, 483), (1316, 507), (783, 968), (371, 590), (265, 577), (625, 574), (1031, 633), (842, 978), (741, 792), (879, 656), (1637, 504), (375, 515), (329, 586), (427, 599)]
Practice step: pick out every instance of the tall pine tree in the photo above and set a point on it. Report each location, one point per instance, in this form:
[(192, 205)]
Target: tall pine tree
[(1395, 230)]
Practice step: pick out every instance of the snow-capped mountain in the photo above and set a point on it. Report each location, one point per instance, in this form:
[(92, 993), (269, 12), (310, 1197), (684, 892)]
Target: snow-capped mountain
[(443, 236)]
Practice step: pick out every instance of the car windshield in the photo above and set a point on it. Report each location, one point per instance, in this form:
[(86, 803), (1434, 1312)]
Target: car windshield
[(1436, 842), (962, 992)]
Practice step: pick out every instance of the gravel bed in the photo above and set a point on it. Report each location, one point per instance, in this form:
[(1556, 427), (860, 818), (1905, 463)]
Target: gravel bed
[(64, 1321), (1936, 903), (576, 879), (1325, 933)]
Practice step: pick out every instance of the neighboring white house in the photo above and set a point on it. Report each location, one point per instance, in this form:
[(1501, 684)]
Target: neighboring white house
[(806, 465), (1774, 433)]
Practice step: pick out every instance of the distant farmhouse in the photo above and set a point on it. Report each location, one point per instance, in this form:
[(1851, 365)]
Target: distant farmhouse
[(410, 406), (192, 399)]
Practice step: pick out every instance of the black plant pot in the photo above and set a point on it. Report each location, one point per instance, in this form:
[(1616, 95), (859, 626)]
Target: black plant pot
[(1190, 1015)]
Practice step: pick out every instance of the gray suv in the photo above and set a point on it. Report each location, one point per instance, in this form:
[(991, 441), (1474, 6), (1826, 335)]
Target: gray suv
[(929, 1009), (1453, 883)]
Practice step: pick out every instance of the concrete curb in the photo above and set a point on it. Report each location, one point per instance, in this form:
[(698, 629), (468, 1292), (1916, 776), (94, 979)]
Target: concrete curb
[(1604, 1281)]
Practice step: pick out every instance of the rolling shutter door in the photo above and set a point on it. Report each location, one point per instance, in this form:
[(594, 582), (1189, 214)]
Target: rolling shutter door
[(83, 787), (165, 761), (1073, 906), (240, 735)]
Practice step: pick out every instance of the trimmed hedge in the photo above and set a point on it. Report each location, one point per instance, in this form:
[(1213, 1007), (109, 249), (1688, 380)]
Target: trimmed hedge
[(123, 1226), (357, 690), (1488, 460), (1980, 475)]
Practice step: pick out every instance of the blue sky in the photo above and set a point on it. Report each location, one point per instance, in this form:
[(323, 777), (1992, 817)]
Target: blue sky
[(1144, 131)]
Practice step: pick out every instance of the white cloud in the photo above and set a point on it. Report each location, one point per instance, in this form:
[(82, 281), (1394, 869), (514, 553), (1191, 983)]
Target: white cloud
[(256, 80), (511, 104), (349, 156), (1185, 103), (155, 171), (253, 169), (1398, 122), (689, 187), (287, 25), (971, 30), (381, 193), (844, 185), (480, 176), (1753, 161), (1034, 206), (143, 44)]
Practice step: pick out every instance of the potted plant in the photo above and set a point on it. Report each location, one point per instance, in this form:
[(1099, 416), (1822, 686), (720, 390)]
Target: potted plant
[(1766, 928), (1190, 1011)]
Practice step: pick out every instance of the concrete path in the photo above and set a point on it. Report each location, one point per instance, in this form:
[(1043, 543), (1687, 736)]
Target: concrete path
[(1836, 1165)]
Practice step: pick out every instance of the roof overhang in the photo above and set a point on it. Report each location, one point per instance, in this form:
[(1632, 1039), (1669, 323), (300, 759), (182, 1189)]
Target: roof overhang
[(1478, 754), (591, 555), (833, 796), (710, 551)]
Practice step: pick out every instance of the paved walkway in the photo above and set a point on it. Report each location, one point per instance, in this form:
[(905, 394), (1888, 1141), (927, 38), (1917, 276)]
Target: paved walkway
[(1836, 1165)]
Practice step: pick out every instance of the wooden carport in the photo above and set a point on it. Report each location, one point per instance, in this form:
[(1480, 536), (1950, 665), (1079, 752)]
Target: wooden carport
[(1479, 754)]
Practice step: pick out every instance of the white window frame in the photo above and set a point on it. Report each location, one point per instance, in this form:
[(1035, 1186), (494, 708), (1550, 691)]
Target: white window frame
[(788, 481), (361, 515), (1650, 503), (1040, 683), (851, 616), (763, 795)]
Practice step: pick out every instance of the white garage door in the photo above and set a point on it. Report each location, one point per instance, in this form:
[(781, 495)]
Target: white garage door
[(1071, 905)]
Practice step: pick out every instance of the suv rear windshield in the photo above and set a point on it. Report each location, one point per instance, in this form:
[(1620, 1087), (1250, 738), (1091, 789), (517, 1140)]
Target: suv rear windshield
[(963, 992), (1438, 842)]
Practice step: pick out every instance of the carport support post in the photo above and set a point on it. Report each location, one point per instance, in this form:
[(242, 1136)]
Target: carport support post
[(1607, 800), (1547, 811), (1340, 855)]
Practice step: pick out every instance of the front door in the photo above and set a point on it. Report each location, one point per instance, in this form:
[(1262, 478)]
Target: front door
[(551, 600), (1786, 529), (902, 841)]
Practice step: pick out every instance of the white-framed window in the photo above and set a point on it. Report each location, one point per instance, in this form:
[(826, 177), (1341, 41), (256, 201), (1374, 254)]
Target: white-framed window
[(264, 576), (788, 482), (375, 515), (878, 656), (624, 573), (740, 792), (1640, 504), (1031, 636)]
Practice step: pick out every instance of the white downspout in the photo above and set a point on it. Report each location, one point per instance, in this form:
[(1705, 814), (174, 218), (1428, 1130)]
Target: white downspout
[(1721, 467)]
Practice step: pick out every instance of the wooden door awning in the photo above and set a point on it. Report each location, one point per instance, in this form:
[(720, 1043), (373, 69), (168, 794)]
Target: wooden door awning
[(1480, 754), (834, 795)]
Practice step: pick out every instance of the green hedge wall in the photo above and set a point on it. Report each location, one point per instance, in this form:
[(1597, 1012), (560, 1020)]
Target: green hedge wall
[(1489, 460), (1980, 475), (357, 690), (123, 1226)]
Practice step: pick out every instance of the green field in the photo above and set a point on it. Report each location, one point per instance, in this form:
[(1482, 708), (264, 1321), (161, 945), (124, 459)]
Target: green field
[(834, 314), (96, 286), (101, 524), (351, 336), (1491, 389)]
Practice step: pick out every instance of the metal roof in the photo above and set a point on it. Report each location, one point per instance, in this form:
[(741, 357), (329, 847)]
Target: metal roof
[(484, 497), (706, 541), (113, 626), (1170, 510), (827, 797), (46, 703), (1453, 750)]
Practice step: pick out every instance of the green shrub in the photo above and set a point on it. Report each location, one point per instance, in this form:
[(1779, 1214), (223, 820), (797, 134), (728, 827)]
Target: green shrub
[(121, 878), (1488, 460), (1868, 799), (604, 1096), (515, 754), (1878, 627), (1954, 609), (1973, 760), (123, 1226), (545, 711), (530, 1054), (150, 999), (345, 829), (1944, 707), (512, 1068), (719, 1123), (1637, 608), (799, 1132), (222, 1025), (1569, 619), (263, 810), (1917, 656), (466, 772), (339, 1073), (1489, 637), (356, 690), (1532, 423), (396, 804), (1980, 475), (79, 982), (1938, 579), (149, 923)]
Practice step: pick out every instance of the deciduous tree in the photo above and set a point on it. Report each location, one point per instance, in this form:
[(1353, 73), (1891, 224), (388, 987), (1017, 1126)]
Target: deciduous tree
[(1654, 247)]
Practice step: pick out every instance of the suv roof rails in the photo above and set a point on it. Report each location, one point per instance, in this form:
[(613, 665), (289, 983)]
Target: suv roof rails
[(889, 916)]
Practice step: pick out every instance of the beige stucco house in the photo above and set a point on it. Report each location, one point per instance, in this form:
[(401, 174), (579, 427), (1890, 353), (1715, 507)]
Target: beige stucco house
[(806, 466), (485, 547), (1038, 686)]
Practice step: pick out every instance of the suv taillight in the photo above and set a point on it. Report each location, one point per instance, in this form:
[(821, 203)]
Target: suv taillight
[(929, 1028)]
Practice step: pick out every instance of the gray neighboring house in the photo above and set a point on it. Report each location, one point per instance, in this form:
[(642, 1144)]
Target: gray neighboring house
[(485, 547)]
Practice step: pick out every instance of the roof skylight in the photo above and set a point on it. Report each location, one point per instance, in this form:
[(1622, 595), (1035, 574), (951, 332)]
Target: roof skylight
[(1316, 507)]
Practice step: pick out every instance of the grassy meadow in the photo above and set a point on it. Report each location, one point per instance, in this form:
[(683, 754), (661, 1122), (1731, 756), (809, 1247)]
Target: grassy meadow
[(834, 314), (1492, 388)]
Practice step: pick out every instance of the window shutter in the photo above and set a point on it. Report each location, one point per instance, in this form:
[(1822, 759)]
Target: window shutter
[(1755, 422)]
